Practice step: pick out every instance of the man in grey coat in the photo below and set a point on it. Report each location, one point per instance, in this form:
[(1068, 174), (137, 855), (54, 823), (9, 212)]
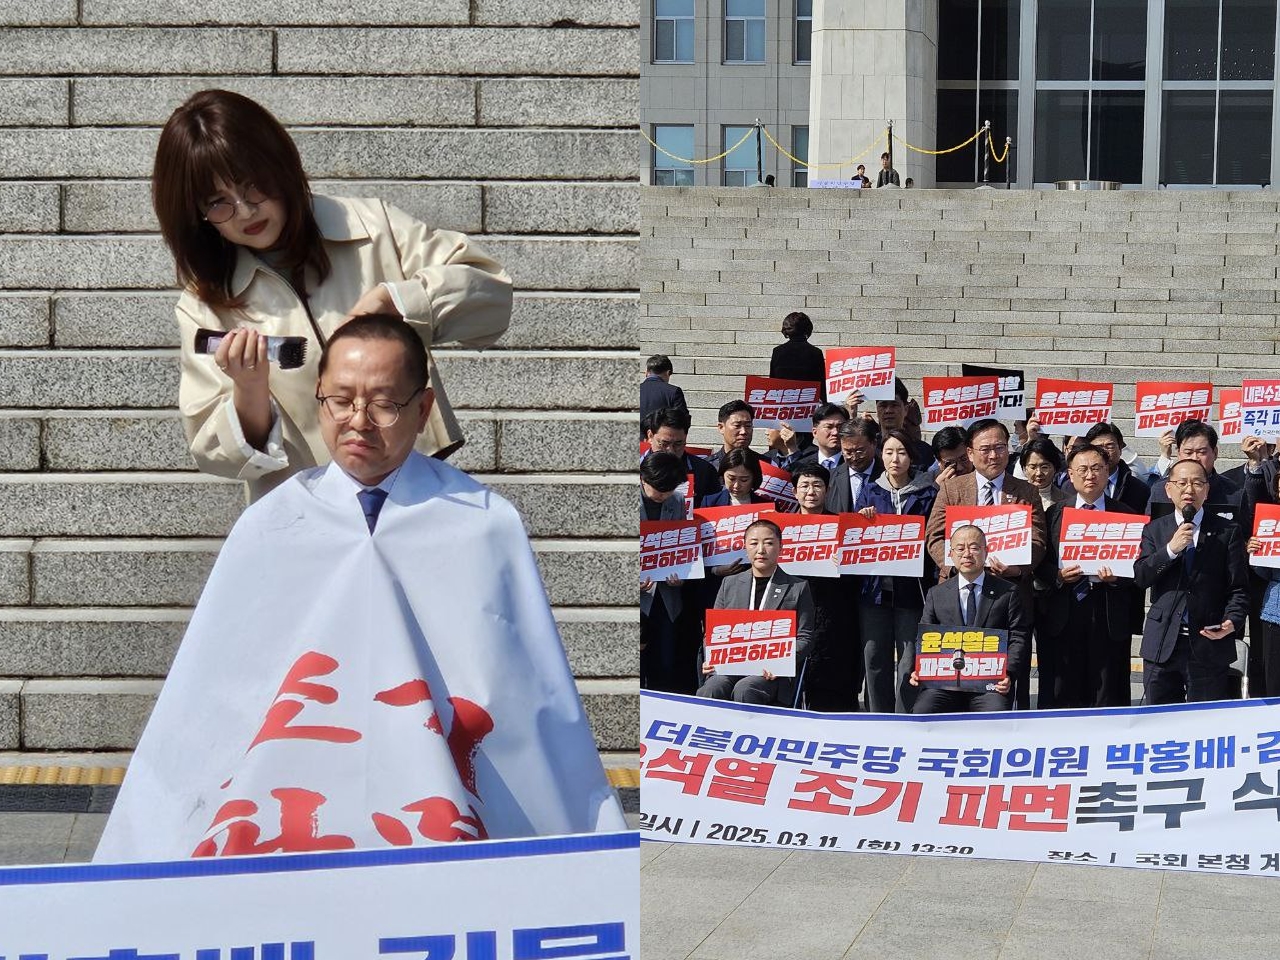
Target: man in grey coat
[(763, 587)]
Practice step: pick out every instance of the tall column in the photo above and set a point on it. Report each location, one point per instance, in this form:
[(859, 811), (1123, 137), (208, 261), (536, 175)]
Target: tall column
[(873, 61)]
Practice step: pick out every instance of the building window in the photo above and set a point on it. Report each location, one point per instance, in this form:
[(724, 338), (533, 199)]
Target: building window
[(804, 32), (668, 171), (800, 149), (1219, 67), (673, 31), (744, 31), (739, 168)]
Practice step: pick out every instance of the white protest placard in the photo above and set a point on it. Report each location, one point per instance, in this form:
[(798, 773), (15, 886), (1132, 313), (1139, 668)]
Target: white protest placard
[(810, 544), (775, 401), (1185, 787), (1092, 539), (1266, 527), (746, 643), (1065, 406), (959, 401), (891, 545), (724, 531), (1007, 526), (670, 547), (1260, 409), (866, 370), (1162, 405), (563, 897)]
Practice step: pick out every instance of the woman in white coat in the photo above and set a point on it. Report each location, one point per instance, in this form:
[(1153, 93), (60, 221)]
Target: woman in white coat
[(258, 255)]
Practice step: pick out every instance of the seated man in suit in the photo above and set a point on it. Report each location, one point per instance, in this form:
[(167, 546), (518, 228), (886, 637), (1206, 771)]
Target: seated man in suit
[(763, 587), (666, 430), (1194, 563), (974, 598)]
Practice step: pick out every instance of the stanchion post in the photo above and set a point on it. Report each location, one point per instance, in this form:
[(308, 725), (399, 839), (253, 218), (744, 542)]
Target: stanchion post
[(889, 139), (986, 155), (759, 155), (1008, 162)]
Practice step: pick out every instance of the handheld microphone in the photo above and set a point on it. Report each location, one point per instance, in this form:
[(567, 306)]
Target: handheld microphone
[(1188, 514), (289, 352), (957, 662)]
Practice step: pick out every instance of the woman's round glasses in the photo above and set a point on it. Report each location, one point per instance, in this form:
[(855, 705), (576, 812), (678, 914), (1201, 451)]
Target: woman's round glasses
[(222, 210)]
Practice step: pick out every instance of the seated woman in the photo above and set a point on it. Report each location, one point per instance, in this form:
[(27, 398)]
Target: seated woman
[(740, 476)]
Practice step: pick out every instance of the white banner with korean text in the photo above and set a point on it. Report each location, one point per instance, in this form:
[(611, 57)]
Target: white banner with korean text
[(1187, 787), (565, 897)]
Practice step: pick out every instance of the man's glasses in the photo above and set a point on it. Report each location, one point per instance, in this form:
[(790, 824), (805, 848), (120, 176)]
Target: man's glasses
[(220, 211), (1092, 471), (381, 413), (1188, 484), (993, 450)]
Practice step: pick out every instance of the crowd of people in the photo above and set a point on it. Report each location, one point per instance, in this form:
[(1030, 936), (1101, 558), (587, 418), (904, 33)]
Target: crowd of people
[(1191, 596)]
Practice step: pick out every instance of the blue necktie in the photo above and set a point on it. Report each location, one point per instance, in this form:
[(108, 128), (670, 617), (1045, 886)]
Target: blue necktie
[(371, 502), (1188, 558), (971, 605), (1082, 586)]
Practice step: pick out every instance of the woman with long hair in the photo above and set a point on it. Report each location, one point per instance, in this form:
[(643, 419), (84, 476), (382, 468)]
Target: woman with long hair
[(260, 256)]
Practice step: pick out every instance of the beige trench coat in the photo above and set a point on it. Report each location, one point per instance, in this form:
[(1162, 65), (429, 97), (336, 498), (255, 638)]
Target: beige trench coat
[(450, 290)]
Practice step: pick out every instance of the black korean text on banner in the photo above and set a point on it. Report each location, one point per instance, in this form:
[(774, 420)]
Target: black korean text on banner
[(724, 531), (1007, 526), (670, 547), (1013, 388), (1266, 527), (746, 643), (866, 370), (983, 665), (1260, 409), (810, 544), (775, 484), (1064, 406), (959, 401), (775, 401), (1229, 413), (889, 546), (1092, 539), (1161, 406)]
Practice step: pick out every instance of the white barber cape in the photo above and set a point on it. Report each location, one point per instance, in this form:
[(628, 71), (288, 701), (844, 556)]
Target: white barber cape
[(337, 690)]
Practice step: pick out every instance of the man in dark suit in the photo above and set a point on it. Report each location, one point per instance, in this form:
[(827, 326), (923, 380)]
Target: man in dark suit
[(974, 598), (798, 359), (1196, 440), (736, 423), (763, 587), (858, 468), (1083, 640), (656, 389), (1194, 563), (667, 430), (1121, 484)]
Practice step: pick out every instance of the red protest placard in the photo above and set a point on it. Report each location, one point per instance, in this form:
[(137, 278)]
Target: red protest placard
[(888, 546), (1162, 405), (687, 490), (1064, 405), (776, 485), (746, 643), (810, 544), (724, 529), (1090, 540), (865, 370), (1260, 409), (1008, 530), (959, 401), (670, 547), (1229, 413), (1266, 527), (986, 656), (775, 401)]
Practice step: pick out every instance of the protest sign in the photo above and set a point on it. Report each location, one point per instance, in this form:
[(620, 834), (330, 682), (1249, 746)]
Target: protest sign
[(1013, 388), (865, 370), (460, 900), (1161, 406), (1007, 526), (670, 547), (724, 529), (1260, 409), (746, 643), (1186, 787), (1229, 414), (1266, 527), (775, 401), (1064, 406), (810, 544), (775, 484), (959, 401), (1092, 539), (888, 546), (981, 652), (686, 490)]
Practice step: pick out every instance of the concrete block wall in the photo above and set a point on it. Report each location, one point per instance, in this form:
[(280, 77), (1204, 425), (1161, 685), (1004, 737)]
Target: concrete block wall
[(511, 120), (1116, 286)]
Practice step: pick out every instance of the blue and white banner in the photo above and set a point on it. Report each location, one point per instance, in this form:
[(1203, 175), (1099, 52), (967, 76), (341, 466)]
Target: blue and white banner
[(1192, 787), (555, 898)]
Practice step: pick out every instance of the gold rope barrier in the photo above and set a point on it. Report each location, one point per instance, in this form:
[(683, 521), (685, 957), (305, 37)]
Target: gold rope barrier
[(718, 156)]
